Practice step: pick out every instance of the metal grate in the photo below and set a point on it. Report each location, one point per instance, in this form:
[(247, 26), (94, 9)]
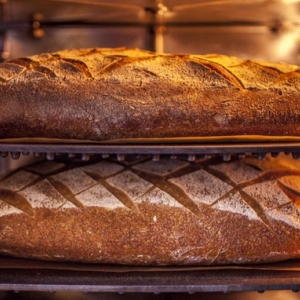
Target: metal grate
[(190, 150), (148, 282)]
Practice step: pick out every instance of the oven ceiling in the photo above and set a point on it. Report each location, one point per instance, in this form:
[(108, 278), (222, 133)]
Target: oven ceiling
[(172, 11)]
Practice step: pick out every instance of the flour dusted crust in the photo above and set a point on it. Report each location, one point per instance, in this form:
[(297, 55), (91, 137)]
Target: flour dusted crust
[(106, 94), (145, 212)]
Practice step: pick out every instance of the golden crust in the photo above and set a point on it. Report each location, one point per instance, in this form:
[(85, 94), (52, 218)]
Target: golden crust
[(104, 94)]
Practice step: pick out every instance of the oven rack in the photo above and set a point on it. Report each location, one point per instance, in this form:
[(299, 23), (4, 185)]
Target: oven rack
[(120, 151), (237, 280)]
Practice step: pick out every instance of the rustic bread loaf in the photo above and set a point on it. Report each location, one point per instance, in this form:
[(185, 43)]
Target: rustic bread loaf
[(104, 94), (145, 212)]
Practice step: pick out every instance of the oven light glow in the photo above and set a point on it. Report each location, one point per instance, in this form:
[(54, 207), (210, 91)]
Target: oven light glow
[(290, 1), (287, 43)]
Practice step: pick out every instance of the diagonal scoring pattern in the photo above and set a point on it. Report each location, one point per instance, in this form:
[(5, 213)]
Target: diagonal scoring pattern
[(93, 63), (177, 180)]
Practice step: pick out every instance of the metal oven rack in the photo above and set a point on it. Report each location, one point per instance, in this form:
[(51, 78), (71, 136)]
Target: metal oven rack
[(258, 149), (148, 282)]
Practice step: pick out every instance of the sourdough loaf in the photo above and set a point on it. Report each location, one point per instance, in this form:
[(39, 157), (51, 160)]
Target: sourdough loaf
[(104, 94), (144, 212)]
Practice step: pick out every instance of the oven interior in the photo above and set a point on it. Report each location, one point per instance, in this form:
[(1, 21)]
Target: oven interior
[(260, 29)]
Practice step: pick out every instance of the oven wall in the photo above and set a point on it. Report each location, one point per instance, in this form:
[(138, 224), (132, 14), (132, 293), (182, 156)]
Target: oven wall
[(258, 29)]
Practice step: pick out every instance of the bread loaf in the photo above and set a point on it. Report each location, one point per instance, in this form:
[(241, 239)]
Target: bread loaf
[(105, 94), (144, 212)]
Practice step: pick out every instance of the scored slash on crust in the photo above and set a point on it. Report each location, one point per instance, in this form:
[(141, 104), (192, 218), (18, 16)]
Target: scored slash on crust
[(16, 200), (38, 63), (118, 193), (161, 182)]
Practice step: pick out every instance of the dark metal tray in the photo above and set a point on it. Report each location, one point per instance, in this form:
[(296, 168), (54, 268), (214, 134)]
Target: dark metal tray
[(153, 282), (30, 275)]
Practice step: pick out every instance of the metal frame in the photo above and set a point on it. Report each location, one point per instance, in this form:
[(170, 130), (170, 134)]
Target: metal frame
[(148, 282), (4, 42), (203, 148), (224, 149)]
